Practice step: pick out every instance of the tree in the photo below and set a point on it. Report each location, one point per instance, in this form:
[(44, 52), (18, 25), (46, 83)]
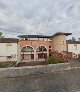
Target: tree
[(73, 39), (1, 35)]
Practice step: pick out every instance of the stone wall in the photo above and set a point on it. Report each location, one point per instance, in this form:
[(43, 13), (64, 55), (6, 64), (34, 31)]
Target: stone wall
[(30, 70)]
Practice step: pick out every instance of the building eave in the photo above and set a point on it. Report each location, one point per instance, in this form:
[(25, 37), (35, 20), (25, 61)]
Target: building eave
[(8, 40), (61, 33), (72, 42), (34, 36)]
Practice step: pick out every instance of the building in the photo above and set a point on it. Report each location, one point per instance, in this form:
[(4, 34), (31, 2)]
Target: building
[(39, 47), (8, 49), (74, 48), (35, 47), (59, 42)]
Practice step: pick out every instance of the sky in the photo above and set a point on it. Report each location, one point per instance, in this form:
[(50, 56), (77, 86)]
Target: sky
[(44, 17)]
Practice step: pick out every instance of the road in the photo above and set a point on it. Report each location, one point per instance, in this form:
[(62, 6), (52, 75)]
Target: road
[(64, 81)]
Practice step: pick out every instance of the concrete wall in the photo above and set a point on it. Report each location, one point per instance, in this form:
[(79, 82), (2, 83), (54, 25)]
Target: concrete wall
[(8, 49), (59, 43), (29, 70)]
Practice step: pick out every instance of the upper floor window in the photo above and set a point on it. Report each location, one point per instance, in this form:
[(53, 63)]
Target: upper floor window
[(62, 42), (49, 46)]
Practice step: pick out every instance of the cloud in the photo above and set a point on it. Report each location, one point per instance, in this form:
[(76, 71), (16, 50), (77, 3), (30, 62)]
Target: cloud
[(39, 17)]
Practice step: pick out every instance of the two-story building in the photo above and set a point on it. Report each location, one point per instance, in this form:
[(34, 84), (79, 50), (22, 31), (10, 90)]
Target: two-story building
[(39, 47)]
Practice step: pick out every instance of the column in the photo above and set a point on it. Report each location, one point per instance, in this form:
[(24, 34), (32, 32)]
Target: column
[(34, 55)]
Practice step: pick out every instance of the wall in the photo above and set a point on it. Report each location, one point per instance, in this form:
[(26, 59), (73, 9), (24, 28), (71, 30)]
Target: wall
[(8, 49), (72, 48), (59, 43), (35, 43), (29, 70)]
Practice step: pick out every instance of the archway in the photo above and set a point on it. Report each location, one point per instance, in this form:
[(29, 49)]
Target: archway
[(41, 52), (27, 53)]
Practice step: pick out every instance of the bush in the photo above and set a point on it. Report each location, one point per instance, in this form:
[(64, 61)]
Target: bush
[(55, 59)]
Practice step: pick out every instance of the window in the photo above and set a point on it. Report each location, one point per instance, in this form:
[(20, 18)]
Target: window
[(9, 48), (62, 42), (26, 39), (22, 38), (75, 46), (41, 48), (8, 57), (49, 46), (27, 49), (8, 44)]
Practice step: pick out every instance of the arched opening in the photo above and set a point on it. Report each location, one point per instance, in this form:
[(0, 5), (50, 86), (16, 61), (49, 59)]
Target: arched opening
[(27, 53), (27, 49), (41, 52)]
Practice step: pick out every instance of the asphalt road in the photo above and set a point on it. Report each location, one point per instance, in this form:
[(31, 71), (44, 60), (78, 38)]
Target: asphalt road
[(65, 81)]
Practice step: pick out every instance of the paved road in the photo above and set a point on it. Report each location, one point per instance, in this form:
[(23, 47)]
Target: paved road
[(75, 64), (65, 81)]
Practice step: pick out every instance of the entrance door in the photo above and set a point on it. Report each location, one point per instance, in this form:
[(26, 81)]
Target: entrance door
[(27, 56), (40, 55), (32, 56)]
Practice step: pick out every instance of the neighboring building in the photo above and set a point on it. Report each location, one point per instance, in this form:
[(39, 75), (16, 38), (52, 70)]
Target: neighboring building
[(74, 47), (39, 47), (8, 49)]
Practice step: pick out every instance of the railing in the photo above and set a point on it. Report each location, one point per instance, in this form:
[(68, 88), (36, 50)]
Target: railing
[(13, 64)]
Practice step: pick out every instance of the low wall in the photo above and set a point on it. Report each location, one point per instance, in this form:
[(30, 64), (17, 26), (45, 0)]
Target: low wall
[(29, 70)]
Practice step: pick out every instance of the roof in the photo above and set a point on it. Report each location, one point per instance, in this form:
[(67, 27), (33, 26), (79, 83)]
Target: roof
[(61, 33), (34, 36), (8, 40), (72, 42), (43, 36)]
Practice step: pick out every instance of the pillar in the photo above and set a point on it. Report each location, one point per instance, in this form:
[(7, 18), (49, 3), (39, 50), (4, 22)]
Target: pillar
[(34, 55)]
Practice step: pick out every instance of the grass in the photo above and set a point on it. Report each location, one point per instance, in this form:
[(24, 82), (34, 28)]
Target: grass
[(5, 64)]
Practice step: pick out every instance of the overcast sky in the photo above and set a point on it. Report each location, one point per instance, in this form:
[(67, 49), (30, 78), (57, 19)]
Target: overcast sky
[(44, 17)]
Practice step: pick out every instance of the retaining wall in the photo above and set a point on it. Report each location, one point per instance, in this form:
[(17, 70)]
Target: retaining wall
[(29, 70)]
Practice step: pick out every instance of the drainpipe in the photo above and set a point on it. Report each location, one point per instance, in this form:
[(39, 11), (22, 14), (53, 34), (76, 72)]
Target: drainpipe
[(34, 55), (18, 53)]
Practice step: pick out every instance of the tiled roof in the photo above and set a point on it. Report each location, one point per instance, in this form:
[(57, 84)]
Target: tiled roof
[(8, 40), (61, 33)]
